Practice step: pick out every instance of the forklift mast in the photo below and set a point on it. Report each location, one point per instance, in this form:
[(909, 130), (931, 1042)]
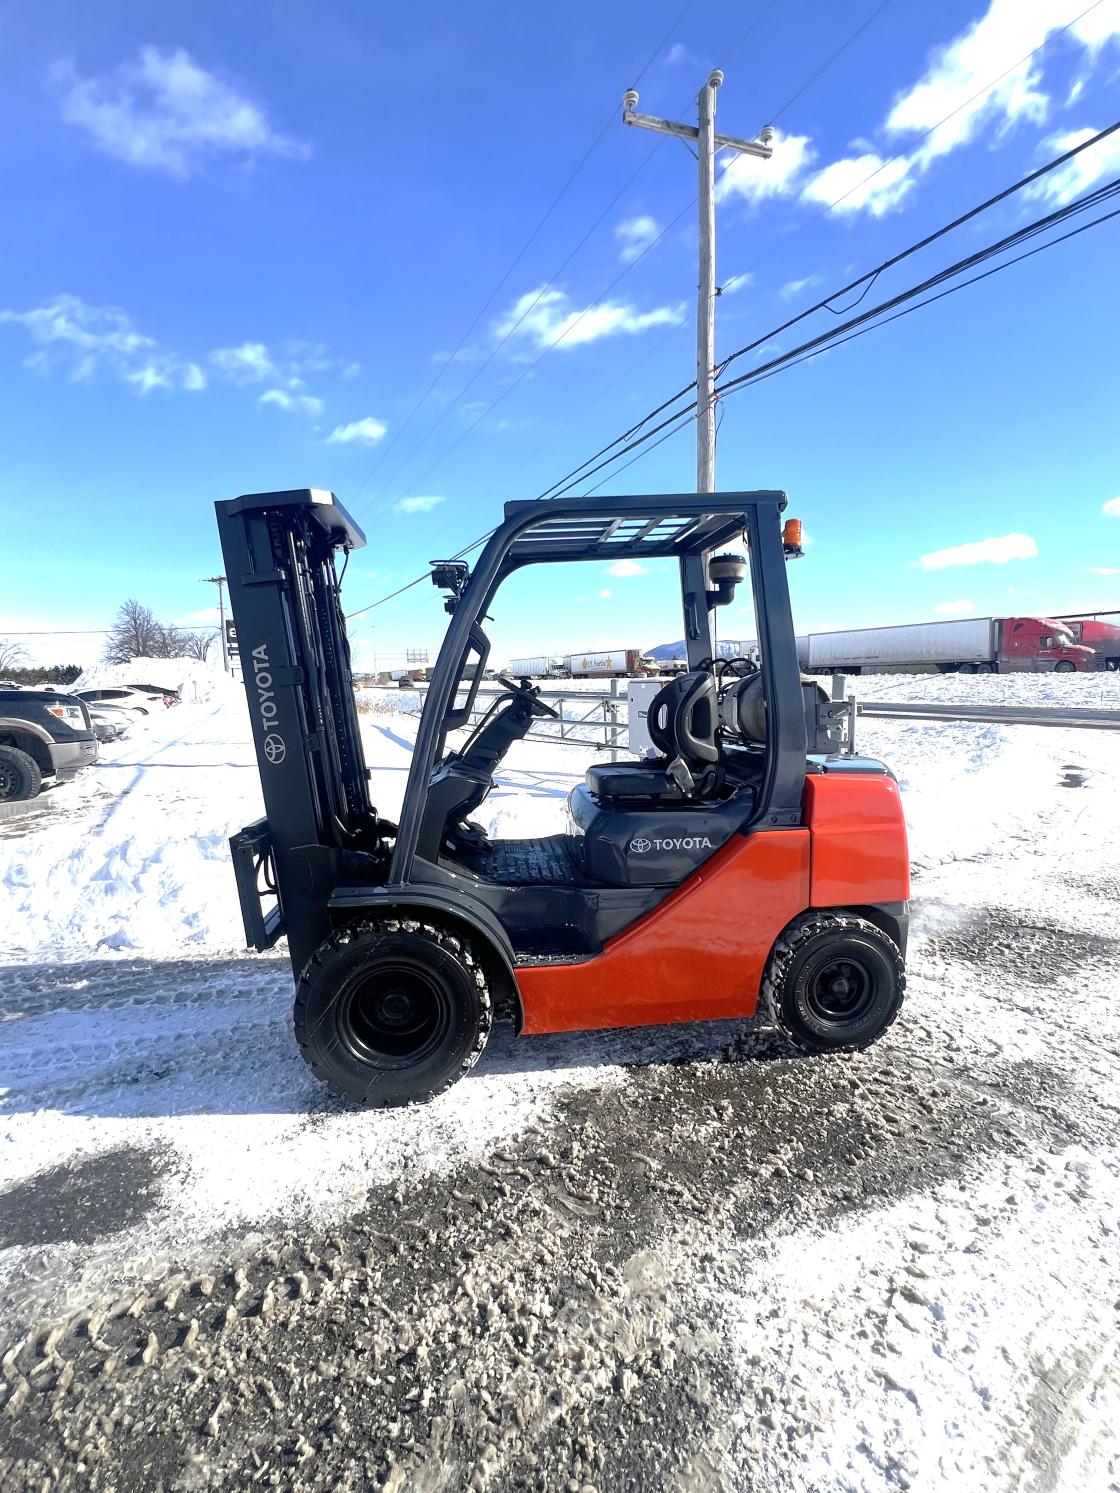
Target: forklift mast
[(280, 554)]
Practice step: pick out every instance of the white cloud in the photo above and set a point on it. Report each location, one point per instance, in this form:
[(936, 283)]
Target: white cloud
[(636, 235), (248, 364), (677, 54), (1102, 570), (416, 505), (1008, 30), (623, 568), (960, 93), (982, 552), (956, 80), (366, 432), (605, 594), (96, 330), (307, 404), (164, 112), (100, 339), (547, 318), (1112, 507), (793, 288), (1100, 25), (737, 283), (861, 182), (754, 179), (1084, 171), (959, 608), (150, 375), (313, 357)]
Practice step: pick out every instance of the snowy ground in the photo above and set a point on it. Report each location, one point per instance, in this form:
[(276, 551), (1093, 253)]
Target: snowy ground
[(671, 1259)]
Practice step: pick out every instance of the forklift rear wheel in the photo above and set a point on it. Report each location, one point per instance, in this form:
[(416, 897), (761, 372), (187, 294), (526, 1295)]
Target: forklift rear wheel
[(835, 982), (392, 1012)]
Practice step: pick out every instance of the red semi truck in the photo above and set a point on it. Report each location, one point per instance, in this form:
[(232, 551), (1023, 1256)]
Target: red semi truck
[(974, 645), (1102, 637)]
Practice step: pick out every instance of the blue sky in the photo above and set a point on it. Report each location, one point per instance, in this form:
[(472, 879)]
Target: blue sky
[(240, 242)]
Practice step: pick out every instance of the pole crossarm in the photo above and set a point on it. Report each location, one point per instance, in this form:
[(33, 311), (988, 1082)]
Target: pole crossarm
[(690, 132)]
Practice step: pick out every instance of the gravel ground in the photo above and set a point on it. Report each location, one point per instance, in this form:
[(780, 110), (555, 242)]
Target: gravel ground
[(677, 1259)]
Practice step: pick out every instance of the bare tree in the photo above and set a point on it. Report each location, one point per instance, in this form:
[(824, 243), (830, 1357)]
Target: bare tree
[(195, 644), (12, 655), (135, 634)]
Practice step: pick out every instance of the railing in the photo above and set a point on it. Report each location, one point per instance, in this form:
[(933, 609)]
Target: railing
[(603, 716)]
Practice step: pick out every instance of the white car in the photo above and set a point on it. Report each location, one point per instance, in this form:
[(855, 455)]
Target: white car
[(134, 698)]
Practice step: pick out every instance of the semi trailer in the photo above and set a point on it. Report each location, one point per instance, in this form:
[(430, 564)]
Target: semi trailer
[(539, 666), (1102, 637), (970, 645), (611, 663)]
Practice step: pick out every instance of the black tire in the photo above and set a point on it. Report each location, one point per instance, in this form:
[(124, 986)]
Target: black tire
[(1063, 666), (392, 1012), (19, 775), (985, 668), (834, 982), (966, 668)]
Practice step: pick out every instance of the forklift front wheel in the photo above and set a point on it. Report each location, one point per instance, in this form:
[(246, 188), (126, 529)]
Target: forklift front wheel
[(834, 982), (392, 1011)]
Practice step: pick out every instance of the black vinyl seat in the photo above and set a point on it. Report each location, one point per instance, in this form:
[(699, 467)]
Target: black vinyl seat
[(682, 724)]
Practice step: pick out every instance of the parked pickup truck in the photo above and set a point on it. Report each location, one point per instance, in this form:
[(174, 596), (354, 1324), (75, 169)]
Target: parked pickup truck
[(43, 733)]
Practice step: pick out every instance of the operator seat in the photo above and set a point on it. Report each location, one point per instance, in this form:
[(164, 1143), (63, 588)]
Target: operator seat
[(682, 725)]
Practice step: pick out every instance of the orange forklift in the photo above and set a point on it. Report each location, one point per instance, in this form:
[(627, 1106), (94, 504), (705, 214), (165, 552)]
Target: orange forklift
[(751, 869)]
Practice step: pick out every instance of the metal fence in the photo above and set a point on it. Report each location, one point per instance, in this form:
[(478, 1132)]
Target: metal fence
[(598, 718), (587, 718)]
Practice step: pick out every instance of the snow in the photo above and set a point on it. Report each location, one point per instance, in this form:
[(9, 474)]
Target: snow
[(1098, 690), (951, 1332), (197, 680)]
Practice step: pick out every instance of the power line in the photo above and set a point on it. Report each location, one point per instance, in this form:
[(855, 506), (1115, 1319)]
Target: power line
[(835, 336), (685, 413), (869, 278), (520, 256), (893, 160), (570, 326), (839, 52)]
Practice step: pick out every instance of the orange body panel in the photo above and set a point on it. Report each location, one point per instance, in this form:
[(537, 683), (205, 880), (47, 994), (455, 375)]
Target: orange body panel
[(859, 840), (697, 956)]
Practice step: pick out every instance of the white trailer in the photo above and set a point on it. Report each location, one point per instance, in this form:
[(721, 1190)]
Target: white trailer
[(610, 663), (973, 640), (539, 667)]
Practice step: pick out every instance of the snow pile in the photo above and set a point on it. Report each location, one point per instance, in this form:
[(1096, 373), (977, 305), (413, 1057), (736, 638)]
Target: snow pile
[(136, 854), (197, 680)]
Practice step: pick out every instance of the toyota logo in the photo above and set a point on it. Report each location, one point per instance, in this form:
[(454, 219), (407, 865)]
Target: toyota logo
[(274, 749), (639, 847)]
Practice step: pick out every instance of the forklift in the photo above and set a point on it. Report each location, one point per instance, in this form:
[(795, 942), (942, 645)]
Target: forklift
[(752, 868)]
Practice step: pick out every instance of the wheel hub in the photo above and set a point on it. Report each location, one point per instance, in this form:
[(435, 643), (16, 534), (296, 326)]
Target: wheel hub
[(841, 989), (392, 1013)]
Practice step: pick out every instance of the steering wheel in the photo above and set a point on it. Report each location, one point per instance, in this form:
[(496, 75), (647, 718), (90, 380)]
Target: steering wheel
[(531, 695)]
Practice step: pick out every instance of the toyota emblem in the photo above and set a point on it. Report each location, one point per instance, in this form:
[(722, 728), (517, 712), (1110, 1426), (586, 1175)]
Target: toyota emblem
[(274, 749), (639, 847)]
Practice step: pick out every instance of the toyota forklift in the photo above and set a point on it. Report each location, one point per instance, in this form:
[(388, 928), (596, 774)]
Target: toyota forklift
[(752, 868)]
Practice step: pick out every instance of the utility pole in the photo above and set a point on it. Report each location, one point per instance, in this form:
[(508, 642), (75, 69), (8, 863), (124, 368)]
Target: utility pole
[(708, 143), (219, 581)]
